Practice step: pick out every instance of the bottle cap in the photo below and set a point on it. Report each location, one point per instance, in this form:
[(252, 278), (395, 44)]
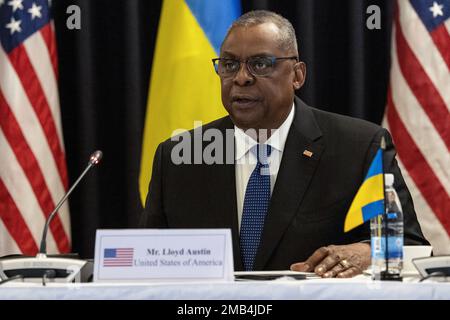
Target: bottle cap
[(389, 179)]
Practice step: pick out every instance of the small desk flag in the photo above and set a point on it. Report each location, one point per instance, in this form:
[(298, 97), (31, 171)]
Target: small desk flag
[(369, 200)]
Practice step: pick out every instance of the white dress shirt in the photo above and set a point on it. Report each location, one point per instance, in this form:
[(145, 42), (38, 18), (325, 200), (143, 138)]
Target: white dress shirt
[(245, 161)]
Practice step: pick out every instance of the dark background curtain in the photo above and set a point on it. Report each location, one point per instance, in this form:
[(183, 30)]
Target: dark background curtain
[(104, 72)]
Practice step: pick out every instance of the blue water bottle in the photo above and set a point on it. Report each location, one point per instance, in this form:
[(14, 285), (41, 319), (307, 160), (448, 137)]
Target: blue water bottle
[(387, 236)]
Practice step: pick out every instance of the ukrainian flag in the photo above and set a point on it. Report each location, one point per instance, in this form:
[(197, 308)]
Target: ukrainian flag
[(369, 201), (183, 86)]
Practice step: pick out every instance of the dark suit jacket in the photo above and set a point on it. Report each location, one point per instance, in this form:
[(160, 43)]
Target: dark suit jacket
[(310, 198)]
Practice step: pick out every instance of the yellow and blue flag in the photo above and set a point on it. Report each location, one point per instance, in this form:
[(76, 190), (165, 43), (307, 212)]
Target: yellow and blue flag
[(369, 200), (184, 87)]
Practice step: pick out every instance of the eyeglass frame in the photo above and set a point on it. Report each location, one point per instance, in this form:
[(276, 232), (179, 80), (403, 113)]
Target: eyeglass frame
[(272, 58)]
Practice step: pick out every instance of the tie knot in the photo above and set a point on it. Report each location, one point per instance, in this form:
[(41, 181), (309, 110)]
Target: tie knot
[(262, 152)]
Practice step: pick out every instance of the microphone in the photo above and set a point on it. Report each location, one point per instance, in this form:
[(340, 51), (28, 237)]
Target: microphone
[(41, 267), (93, 160)]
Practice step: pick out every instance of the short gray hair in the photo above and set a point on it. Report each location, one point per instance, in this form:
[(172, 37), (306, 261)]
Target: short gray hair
[(287, 38)]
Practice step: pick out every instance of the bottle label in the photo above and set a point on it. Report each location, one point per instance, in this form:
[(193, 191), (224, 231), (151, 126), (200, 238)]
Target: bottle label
[(392, 215), (395, 247)]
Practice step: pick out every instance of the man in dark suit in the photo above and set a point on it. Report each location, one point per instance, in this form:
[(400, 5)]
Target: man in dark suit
[(286, 209)]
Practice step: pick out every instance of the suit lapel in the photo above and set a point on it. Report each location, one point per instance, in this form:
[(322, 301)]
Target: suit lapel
[(295, 173)]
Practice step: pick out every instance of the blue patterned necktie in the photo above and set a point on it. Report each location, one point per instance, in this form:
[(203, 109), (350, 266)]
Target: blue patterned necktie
[(256, 204)]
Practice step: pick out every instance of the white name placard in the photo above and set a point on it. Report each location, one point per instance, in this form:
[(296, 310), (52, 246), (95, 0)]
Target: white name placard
[(137, 255)]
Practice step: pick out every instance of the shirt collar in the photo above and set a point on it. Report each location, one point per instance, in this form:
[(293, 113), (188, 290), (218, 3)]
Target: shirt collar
[(277, 140)]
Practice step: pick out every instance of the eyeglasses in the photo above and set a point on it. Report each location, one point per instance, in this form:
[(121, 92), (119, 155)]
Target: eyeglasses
[(257, 66)]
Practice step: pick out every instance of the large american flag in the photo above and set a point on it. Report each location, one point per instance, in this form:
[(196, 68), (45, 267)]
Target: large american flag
[(418, 110), (33, 175)]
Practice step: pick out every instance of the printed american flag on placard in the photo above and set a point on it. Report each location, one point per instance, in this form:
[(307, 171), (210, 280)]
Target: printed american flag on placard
[(118, 257), (33, 175), (418, 111)]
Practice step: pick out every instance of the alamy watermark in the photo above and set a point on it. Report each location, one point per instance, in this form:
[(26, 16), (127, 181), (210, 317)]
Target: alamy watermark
[(374, 19), (73, 22), (213, 146)]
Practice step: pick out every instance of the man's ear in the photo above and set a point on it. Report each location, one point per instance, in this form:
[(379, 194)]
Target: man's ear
[(299, 75)]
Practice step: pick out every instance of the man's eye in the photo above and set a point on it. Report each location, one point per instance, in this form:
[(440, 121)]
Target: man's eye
[(261, 64), (230, 65)]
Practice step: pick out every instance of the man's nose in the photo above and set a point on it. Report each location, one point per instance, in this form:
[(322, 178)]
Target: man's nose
[(243, 77)]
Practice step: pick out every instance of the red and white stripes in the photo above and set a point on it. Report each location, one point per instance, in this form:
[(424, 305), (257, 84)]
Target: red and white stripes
[(418, 117), (33, 174)]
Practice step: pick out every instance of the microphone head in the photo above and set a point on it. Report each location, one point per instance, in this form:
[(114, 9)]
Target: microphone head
[(96, 157)]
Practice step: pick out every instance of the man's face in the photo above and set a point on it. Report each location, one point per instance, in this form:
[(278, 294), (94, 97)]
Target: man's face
[(261, 102)]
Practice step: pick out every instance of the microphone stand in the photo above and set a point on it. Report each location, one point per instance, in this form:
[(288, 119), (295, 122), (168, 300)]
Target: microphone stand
[(41, 267), (93, 160)]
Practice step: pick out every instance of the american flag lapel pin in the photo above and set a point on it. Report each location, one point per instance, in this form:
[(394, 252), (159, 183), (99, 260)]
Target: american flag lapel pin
[(308, 153)]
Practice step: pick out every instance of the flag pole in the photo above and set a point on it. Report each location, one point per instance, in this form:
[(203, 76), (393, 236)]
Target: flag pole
[(384, 274)]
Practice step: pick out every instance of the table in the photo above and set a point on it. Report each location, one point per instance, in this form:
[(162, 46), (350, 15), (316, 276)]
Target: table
[(359, 288)]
